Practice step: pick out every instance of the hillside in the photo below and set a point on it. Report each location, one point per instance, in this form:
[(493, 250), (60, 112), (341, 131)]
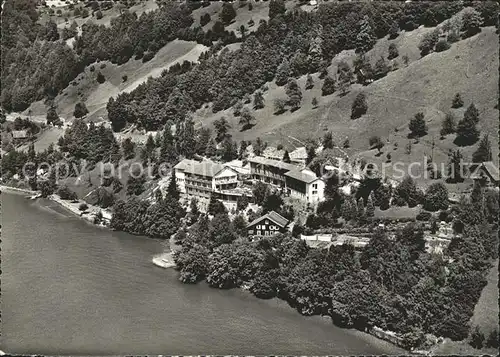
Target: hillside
[(85, 87)]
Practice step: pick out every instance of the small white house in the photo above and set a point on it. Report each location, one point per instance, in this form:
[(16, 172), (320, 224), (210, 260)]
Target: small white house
[(305, 185)]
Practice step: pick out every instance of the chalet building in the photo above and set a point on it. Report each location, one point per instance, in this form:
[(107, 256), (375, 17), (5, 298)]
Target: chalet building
[(305, 185), (202, 179), (486, 173), (297, 182), (268, 225), (270, 171)]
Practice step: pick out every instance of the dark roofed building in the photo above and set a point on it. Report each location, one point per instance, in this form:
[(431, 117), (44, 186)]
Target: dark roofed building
[(486, 173), (268, 225)]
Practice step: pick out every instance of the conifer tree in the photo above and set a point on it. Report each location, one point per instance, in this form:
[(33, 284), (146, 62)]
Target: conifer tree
[(370, 208), (282, 73), (472, 114), (359, 106), (276, 7), (148, 151), (168, 152), (328, 86), (417, 125), (294, 94), (361, 214), (366, 36), (211, 149), (228, 13), (345, 77), (314, 102), (455, 167), (448, 126), (457, 101), (483, 152), (258, 100), (286, 157), (328, 141), (172, 189), (467, 133)]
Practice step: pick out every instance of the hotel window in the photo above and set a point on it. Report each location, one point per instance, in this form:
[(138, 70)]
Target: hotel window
[(258, 232), (266, 233), (315, 192), (315, 186)]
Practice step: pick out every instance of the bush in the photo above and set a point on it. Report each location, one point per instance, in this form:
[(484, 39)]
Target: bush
[(476, 338), (66, 194), (436, 197), (442, 45), (328, 86), (359, 106), (423, 216), (393, 51), (103, 65), (124, 78), (83, 207), (100, 78), (147, 56), (98, 14)]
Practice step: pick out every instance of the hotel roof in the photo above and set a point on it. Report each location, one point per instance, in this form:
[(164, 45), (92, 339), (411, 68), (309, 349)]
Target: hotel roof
[(303, 176), (274, 163)]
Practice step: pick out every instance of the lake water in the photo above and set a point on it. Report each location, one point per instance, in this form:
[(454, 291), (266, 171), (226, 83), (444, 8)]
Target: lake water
[(71, 288)]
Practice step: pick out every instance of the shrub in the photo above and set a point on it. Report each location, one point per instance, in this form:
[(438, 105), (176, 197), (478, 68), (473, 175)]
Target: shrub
[(83, 207), (359, 106), (428, 42), (98, 14), (436, 197), (423, 216), (147, 56), (66, 194), (393, 51), (457, 101), (328, 86), (100, 78), (92, 68), (476, 338), (124, 78), (103, 65), (442, 45), (417, 125)]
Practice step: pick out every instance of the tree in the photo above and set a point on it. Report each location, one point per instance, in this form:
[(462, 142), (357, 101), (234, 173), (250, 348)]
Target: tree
[(272, 202), (192, 264), (260, 192), (467, 133), (393, 51), (221, 128), (349, 208), (328, 86), (483, 152), (242, 202), (359, 106), (457, 101), (80, 110), (52, 117), (370, 208), (172, 189), (148, 151), (381, 68), (258, 146), (363, 69), (282, 73), (492, 341), (476, 338), (286, 157), (309, 82), (393, 30), (455, 173), (417, 125), (246, 119), (227, 13), (211, 149), (406, 193), (229, 150), (100, 78), (345, 77), (276, 7), (135, 183), (428, 42), (238, 107), (258, 100), (314, 102), (311, 154), (168, 151), (328, 140), (98, 14), (436, 197), (279, 105), (204, 19), (472, 114), (294, 94), (365, 38), (471, 22), (448, 126), (360, 210), (215, 206), (128, 148), (346, 144)]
